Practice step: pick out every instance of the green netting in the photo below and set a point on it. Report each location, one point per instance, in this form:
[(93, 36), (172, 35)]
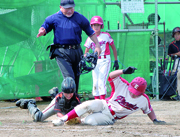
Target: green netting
[(25, 67), (133, 50)]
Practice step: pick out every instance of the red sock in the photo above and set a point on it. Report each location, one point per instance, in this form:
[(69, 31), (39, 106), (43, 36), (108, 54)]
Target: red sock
[(72, 114), (102, 96), (96, 97)]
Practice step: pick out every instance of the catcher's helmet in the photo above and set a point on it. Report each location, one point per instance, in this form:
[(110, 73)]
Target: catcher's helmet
[(176, 29), (137, 86), (88, 63), (97, 20), (68, 85)]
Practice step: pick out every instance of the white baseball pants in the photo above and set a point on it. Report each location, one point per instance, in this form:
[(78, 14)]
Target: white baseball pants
[(100, 74), (99, 113)]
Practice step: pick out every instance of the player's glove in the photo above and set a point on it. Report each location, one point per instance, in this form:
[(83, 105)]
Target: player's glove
[(158, 122), (129, 70), (116, 65), (73, 121)]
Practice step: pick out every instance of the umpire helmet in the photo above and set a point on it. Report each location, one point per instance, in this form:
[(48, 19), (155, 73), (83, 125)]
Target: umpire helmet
[(68, 85), (176, 29), (97, 20), (138, 86)]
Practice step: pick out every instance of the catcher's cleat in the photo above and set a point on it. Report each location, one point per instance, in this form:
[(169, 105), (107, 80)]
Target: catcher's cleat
[(23, 103), (58, 122), (53, 92), (18, 103)]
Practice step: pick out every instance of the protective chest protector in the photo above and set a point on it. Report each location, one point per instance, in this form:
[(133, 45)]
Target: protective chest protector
[(66, 106)]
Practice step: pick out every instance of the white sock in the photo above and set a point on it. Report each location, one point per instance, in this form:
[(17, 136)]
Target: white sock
[(64, 118)]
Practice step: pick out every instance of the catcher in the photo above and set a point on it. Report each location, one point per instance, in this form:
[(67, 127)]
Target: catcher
[(63, 102)]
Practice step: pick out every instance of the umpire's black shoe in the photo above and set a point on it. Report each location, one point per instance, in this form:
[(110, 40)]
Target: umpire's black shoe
[(23, 103), (177, 98)]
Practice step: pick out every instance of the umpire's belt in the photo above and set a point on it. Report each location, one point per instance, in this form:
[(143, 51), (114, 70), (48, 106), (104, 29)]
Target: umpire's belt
[(68, 46), (54, 46)]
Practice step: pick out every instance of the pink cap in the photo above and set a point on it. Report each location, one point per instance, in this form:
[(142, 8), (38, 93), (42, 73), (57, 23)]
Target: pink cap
[(137, 86)]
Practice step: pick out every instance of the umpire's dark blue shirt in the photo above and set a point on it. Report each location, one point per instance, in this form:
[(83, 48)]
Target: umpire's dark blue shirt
[(67, 30)]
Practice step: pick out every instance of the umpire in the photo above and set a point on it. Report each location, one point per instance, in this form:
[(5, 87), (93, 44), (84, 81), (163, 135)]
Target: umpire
[(67, 26)]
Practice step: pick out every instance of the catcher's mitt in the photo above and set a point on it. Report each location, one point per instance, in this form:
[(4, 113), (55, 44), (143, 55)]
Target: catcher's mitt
[(73, 121), (87, 63)]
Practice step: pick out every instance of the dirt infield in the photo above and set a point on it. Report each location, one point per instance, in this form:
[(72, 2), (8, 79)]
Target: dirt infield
[(15, 122)]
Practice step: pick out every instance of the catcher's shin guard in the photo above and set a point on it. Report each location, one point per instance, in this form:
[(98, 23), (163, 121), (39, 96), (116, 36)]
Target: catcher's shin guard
[(35, 112)]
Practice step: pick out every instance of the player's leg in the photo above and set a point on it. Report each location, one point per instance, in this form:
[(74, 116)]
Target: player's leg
[(103, 74), (65, 67), (89, 107), (76, 56), (53, 92), (30, 104), (98, 119), (68, 61), (95, 92), (49, 110), (104, 117), (36, 113)]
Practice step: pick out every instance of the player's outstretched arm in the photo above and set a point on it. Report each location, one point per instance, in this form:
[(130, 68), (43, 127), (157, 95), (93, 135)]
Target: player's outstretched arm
[(116, 73), (152, 116), (95, 40)]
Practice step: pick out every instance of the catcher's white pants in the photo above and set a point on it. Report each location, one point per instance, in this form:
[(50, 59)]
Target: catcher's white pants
[(100, 74), (49, 110), (99, 113)]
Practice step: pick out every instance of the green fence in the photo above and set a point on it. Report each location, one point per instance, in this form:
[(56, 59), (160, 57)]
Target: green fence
[(25, 68)]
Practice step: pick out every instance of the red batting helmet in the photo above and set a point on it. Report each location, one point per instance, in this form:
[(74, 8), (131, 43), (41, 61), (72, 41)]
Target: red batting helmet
[(176, 29), (97, 20), (137, 86)]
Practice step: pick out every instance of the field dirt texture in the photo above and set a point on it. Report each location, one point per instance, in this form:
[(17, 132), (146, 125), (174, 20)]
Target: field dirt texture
[(16, 122)]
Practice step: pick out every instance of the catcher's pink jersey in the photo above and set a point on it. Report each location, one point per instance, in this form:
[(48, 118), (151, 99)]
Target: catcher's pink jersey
[(122, 103), (104, 40)]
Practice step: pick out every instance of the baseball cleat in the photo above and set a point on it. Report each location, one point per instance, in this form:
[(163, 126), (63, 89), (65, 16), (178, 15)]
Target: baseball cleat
[(53, 92), (58, 122), (22, 103)]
